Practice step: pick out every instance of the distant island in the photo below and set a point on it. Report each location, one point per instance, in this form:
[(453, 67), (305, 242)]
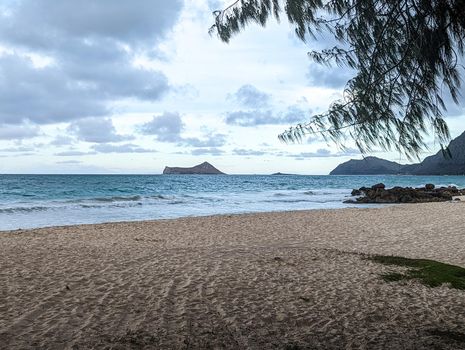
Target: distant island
[(202, 169), (437, 164), (282, 174)]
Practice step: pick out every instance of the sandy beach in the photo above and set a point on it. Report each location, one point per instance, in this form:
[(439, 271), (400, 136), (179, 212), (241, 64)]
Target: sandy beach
[(284, 280)]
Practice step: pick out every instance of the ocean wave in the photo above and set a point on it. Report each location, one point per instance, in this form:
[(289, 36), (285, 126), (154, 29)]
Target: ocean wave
[(134, 198), (281, 195), (111, 205), (159, 196), (288, 201), (117, 199), (23, 209), (176, 202), (201, 198), (309, 193)]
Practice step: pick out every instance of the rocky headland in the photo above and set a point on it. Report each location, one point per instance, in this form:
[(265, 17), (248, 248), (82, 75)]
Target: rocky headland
[(202, 169)]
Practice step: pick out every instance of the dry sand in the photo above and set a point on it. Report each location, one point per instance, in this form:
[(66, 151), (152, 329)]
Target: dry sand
[(292, 280)]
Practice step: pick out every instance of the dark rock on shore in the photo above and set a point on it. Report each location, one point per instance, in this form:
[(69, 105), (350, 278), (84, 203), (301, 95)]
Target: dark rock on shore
[(379, 194), (379, 186)]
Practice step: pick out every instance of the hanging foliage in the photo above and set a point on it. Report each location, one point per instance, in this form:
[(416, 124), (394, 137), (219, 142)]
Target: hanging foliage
[(406, 55)]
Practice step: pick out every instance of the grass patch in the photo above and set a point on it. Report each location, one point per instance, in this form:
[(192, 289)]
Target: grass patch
[(429, 272), (393, 277)]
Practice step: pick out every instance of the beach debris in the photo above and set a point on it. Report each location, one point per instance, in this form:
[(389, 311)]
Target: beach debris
[(379, 194)]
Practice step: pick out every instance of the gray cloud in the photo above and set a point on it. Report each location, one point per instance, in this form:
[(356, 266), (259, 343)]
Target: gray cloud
[(50, 95), (167, 127), (62, 141), (72, 91), (350, 151), (119, 20), (325, 153), (98, 130), (209, 140), (207, 151), (126, 148), (69, 162), (294, 114), (27, 154), (314, 138), (16, 149), (331, 77), (249, 118), (74, 153), (91, 45), (247, 152), (321, 152), (18, 132), (249, 96)]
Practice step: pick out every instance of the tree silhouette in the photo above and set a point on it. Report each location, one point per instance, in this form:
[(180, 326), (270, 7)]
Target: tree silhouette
[(406, 54)]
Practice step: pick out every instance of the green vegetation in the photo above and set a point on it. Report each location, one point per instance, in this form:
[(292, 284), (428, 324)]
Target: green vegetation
[(405, 57), (429, 272)]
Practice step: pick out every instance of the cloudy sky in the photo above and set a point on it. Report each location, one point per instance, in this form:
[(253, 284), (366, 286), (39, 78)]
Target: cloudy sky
[(117, 86)]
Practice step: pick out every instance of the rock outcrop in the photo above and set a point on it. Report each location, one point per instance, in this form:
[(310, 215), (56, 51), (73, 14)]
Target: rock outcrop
[(379, 194), (438, 164), (202, 169)]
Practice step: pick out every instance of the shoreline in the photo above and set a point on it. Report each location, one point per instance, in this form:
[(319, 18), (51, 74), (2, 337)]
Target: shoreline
[(363, 210), (259, 280), (369, 206)]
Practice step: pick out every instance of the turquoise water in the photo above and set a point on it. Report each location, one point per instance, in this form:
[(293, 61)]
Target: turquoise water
[(28, 201)]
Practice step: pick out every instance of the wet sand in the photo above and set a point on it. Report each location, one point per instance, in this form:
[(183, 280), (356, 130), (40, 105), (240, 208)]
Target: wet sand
[(286, 280)]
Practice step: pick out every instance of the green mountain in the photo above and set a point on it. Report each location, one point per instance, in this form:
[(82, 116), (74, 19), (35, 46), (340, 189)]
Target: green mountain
[(437, 164)]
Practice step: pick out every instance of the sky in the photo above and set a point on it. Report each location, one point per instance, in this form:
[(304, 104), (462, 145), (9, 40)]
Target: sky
[(116, 86)]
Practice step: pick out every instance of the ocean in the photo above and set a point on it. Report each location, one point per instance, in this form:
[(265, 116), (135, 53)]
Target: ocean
[(31, 201)]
